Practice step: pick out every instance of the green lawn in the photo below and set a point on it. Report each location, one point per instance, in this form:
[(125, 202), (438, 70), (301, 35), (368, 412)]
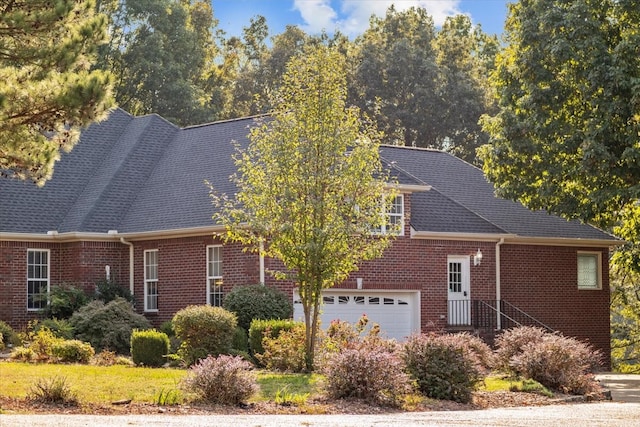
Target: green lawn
[(104, 384), (101, 384)]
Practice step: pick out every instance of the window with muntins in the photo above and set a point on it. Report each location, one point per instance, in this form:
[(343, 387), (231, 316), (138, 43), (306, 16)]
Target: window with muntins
[(151, 280), (589, 276), (37, 279), (214, 275), (394, 223)]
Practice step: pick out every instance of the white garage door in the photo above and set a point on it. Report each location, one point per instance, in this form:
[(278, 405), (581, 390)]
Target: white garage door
[(397, 313)]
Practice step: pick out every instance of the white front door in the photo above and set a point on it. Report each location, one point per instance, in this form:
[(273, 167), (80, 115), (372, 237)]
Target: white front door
[(459, 294)]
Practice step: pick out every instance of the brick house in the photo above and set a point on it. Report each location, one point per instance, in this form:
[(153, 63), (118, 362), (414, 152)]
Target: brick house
[(130, 202)]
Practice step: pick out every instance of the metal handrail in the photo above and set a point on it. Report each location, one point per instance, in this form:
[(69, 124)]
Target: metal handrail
[(478, 320), (536, 321)]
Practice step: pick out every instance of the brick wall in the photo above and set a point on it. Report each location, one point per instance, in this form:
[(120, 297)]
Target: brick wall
[(182, 273), (77, 263), (543, 282), (540, 280)]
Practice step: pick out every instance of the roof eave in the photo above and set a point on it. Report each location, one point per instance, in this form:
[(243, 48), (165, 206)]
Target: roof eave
[(53, 236), (516, 239)]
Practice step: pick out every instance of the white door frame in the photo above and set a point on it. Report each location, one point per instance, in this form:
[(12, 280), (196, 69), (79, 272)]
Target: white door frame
[(458, 290)]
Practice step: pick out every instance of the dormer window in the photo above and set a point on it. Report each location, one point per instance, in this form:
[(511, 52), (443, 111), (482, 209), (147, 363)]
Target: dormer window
[(394, 223)]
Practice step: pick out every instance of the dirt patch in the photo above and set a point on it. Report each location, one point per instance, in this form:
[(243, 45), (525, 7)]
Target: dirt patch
[(481, 400)]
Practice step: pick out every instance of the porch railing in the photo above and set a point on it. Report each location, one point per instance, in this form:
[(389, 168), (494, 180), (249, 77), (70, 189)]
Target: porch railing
[(483, 314)]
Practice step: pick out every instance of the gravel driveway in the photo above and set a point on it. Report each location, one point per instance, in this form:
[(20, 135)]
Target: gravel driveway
[(569, 415)]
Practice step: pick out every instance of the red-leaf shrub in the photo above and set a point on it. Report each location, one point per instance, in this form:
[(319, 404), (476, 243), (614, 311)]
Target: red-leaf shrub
[(367, 372), (226, 380)]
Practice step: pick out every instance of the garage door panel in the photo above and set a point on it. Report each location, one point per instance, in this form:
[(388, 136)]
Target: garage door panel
[(396, 313)]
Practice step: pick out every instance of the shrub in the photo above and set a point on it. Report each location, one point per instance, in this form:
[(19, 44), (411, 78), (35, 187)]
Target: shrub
[(110, 358), (60, 328), (441, 368), (284, 352), (149, 348), (511, 343), (474, 349), (560, 363), (9, 336), (53, 390), (22, 354), (257, 302), (109, 290), (367, 372), (225, 380), (108, 326), (240, 340), (42, 343), (258, 328), (72, 351), (204, 330), (64, 300)]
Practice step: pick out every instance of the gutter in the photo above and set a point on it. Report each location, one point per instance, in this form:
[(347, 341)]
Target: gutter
[(131, 258)]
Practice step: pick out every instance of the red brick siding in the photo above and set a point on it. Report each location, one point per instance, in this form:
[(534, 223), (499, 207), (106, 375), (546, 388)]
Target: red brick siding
[(182, 273), (78, 263), (543, 282)]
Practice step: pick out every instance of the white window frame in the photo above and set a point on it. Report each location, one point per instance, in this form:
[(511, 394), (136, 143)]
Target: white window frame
[(214, 275), (38, 273), (398, 201), (151, 280), (594, 284)]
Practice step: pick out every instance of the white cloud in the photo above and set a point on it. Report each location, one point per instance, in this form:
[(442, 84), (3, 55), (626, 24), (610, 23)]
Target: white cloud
[(353, 15), (318, 15)]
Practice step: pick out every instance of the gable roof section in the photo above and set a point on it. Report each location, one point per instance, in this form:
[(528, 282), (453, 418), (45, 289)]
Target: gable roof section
[(143, 175), (465, 185)]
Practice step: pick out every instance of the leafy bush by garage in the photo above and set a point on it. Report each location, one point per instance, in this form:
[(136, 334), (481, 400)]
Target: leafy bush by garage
[(367, 371), (261, 328), (257, 302), (441, 368), (204, 330), (284, 351), (108, 326)]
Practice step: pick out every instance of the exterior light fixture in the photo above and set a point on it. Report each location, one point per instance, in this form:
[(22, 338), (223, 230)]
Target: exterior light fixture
[(477, 257)]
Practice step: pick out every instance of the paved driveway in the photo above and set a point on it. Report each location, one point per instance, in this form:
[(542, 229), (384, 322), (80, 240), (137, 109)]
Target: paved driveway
[(606, 414), (624, 387)]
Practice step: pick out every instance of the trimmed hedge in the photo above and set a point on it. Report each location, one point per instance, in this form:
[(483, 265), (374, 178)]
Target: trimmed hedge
[(257, 302), (149, 348), (259, 327), (204, 330)]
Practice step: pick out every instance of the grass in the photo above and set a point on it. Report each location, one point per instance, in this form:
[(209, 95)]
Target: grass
[(100, 384), (497, 383), (94, 384), (104, 384)]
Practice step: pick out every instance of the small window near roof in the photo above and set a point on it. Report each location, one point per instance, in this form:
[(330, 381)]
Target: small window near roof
[(589, 275)]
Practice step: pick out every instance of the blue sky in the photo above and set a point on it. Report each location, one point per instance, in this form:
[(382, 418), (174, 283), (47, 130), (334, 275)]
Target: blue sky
[(349, 16)]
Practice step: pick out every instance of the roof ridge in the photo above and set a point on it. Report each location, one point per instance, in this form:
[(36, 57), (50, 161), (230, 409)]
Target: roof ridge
[(217, 122), (71, 206)]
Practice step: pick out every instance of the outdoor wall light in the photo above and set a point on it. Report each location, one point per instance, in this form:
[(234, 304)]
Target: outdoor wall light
[(359, 282), (477, 257)]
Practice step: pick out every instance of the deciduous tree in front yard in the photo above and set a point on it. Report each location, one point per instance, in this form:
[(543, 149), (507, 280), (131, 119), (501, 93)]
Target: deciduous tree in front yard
[(310, 184)]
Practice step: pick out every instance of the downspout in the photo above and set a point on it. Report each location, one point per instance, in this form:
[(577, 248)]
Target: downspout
[(261, 251), (498, 296), (131, 281)]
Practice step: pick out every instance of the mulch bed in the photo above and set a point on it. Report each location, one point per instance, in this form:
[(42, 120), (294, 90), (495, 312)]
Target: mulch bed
[(481, 400)]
